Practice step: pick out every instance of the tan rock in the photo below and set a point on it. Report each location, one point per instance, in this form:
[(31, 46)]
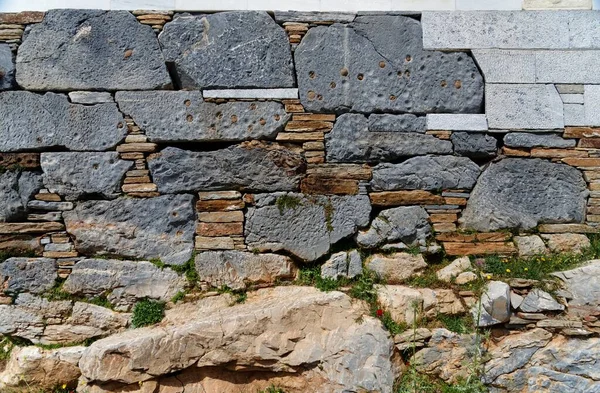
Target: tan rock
[(315, 184), (396, 267), (540, 152), (474, 238), (465, 278), (214, 243), (401, 198), (345, 171), (479, 248), (137, 148), (313, 116), (451, 271), (214, 195), (566, 242), (300, 136), (214, 229), (581, 132), (441, 227), (530, 245), (220, 205), (306, 126), (441, 217), (567, 228), (143, 187), (30, 227), (235, 216), (582, 162), (515, 152)]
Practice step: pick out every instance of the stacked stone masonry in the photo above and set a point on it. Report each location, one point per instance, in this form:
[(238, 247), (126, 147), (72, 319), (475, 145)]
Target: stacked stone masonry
[(244, 146)]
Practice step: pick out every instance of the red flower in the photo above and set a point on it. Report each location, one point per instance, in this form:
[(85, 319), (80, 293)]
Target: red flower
[(379, 312)]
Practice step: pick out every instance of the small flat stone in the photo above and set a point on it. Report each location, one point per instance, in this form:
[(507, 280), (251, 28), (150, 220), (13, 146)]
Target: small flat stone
[(262, 94), (532, 316), (524, 139), (559, 324), (530, 245), (397, 267), (30, 227), (397, 123), (303, 16), (90, 97), (474, 145), (43, 205), (344, 264), (572, 98), (540, 301), (506, 66), (456, 122), (400, 198)]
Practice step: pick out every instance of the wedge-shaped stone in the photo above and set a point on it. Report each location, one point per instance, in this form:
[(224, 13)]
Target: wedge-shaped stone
[(363, 67), (74, 175), (474, 144), (34, 122), (351, 141), (160, 227), (183, 116), (16, 189), (7, 68), (583, 283), (257, 51), (248, 167), (304, 225), (426, 173), (522, 193), (91, 49), (33, 275)]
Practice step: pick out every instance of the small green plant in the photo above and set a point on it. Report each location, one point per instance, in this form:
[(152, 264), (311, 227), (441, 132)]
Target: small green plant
[(389, 323), (272, 389), (6, 347), (158, 263), (286, 202), (147, 312), (460, 324), (179, 296), (239, 295), (188, 269), (328, 210), (13, 253)]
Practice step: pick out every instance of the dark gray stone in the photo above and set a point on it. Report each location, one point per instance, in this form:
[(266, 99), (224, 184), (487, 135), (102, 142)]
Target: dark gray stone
[(74, 175), (16, 189), (474, 145), (7, 68), (522, 193), (33, 275), (400, 123), (406, 224), (377, 64), (306, 226), (426, 173), (33, 122), (162, 227), (248, 167), (183, 116), (228, 50), (344, 264), (91, 49), (351, 141), (526, 139)]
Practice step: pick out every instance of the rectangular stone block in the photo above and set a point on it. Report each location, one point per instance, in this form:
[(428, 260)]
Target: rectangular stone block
[(314, 117), (589, 143), (136, 148), (234, 216), (308, 126), (582, 162), (30, 227), (581, 132), (443, 217), (296, 16), (300, 136), (266, 94), (566, 228), (479, 248), (591, 98), (557, 153), (573, 66), (212, 229), (572, 98), (214, 195), (220, 205), (457, 122), (474, 237), (441, 227), (214, 243), (574, 115), (322, 185), (506, 66), (584, 29), (557, 4), (142, 187), (90, 97), (21, 18), (569, 89), (403, 198), (24, 160), (475, 5), (515, 152), (345, 171)]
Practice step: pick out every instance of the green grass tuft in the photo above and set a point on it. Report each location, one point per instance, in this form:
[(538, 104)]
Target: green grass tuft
[(286, 202), (147, 312)]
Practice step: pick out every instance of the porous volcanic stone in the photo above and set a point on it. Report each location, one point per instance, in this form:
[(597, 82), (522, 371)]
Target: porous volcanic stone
[(522, 193), (183, 116), (474, 145), (365, 67), (16, 189), (33, 122), (228, 50), (76, 174), (160, 227), (398, 123), (426, 173), (352, 141), (91, 49), (304, 225), (33, 275), (250, 166), (406, 224), (7, 68)]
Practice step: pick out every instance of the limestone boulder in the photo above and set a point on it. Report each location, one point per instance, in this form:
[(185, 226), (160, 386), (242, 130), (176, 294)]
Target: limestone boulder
[(33, 275), (406, 224), (454, 269), (160, 227), (583, 284), (7, 68), (16, 189), (566, 242), (522, 193), (494, 306), (91, 50), (540, 301), (343, 264), (530, 245), (396, 267)]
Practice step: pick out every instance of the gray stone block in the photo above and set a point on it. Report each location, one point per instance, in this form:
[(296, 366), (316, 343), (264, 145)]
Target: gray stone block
[(569, 89), (262, 94), (183, 116), (572, 98), (506, 66), (523, 106), (344, 264), (91, 49), (406, 224), (456, 122), (584, 29), (34, 122), (574, 114), (249, 167), (426, 173), (33, 275), (7, 68), (257, 50), (351, 141), (528, 140), (43, 205), (90, 97), (397, 123), (473, 144), (16, 189), (364, 67), (77, 174), (521, 193), (591, 98), (162, 227), (576, 66), (299, 16)]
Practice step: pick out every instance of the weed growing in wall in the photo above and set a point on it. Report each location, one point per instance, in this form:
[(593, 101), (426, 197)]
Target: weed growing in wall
[(286, 202), (147, 312)]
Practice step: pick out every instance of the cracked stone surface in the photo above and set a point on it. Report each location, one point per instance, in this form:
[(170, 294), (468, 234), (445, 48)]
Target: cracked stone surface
[(16, 189), (406, 224), (7, 67), (33, 275)]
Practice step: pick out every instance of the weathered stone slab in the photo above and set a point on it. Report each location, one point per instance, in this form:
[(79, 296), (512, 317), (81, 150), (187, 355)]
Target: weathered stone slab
[(583, 284), (351, 141), (90, 97), (397, 267), (540, 301), (528, 140), (56, 54), (33, 122), (248, 167), (363, 67), (473, 144), (33, 275), (399, 123), (299, 16), (7, 68), (572, 98), (183, 116), (16, 189), (522, 193), (258, 51), (344, 264), (306, 226), (523, 106), (74, 175), (456, 122), (408, 225), (258, 94), (507, 66), (584, 29), (30, 227), (494, 306), (591, 98), (160, 227), (400, 198), (567, 66), (426, 173)]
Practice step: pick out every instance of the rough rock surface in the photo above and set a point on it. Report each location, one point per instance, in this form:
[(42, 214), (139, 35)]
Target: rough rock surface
[(454, 269), (75, 174), (530, 245), (352, 141), (364, 67), (183, 116), (123, 282), (33, 275), (304, 225), (16, 189), (283, 329), (494, 305), (426, 173), (406, 224), (249, 167), (346, 264), (528, 140), (396, 267), (583, 284), (91, 49), (397, 123), (7, 68), (540, 301), (522, 193), (566, 242), (236, 269), (33, 121), (474, 145), (258, 51), (160, 227)]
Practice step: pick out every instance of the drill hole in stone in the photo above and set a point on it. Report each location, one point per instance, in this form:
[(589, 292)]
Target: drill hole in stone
[(407, 73), (189, 118), (320, 97), (311, 95), (444, 84), (408, 58), (120, 125), (234, 119), (262, 121), (311, 75), (277, 117), (252, 106), (344, 72), (382, 64), (332, 85), (392, 97), (458, 84), (219, 115), (187, 102), (360, 77)]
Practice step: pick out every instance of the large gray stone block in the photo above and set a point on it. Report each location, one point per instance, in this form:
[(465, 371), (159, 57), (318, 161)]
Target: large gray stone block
[(16, 189), (365, 67), (397, 123), (161, 227), (228, 50), (522, 193), (426, 173), (183, 116), (352, 141), (34, 122), (77, 174), (303, 225), (474, 145), (7, 68), (591, 98), (506, 66), (91, 49), (406, 224), (33, 275), (248, 167)]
